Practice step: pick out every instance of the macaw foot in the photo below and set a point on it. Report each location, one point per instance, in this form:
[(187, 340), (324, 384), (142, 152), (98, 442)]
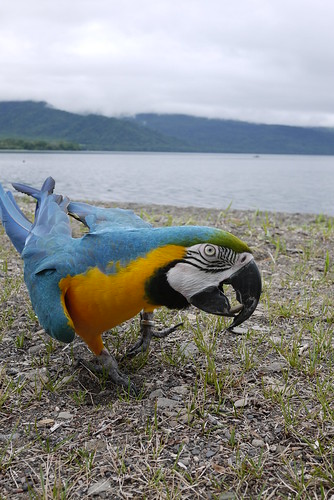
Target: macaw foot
[(147, 333), (108, 367)]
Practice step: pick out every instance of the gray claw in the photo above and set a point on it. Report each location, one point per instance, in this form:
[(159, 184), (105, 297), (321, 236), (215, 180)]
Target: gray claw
[(147, 333), (108, 366)]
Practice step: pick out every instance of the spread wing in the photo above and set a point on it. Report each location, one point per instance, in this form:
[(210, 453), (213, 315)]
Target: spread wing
[(100, 219)]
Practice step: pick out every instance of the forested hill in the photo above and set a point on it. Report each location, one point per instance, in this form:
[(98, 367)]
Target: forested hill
[(35, 121), (230, 136), (36, 125)]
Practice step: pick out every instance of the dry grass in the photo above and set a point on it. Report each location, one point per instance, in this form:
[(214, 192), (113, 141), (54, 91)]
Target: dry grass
[(220, 416)]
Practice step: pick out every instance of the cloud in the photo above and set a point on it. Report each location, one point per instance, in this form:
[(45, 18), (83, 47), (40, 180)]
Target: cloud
[(254, 60)]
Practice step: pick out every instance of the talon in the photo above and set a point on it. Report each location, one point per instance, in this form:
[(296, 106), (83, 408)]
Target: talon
[(146, 328), (108, 366), (165, 333)]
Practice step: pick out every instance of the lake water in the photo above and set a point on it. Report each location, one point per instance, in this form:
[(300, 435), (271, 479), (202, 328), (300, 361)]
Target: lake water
[(267, 182)]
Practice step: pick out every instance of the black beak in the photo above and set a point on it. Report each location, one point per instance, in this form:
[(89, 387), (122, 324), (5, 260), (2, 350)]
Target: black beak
[(247, 285)]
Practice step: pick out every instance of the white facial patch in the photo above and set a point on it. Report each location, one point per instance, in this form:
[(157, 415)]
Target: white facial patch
[(202, 268)]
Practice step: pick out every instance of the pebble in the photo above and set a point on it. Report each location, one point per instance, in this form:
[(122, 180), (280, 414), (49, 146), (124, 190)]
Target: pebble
[(227, 495), (158, 393), (181, 389), (65, 415), (35, 349), (99, 487), (45, 422), (96, 444), (189, 349), (276, 366), (166, 403), (240, 403), (210, 453), (259, 443), (9, 437)]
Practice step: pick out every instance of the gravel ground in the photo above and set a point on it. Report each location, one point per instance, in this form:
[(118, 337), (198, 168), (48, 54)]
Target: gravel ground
[(219, 416)]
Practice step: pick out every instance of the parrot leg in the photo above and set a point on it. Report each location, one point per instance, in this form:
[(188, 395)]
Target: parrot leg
[(147, 333), (108, 366)]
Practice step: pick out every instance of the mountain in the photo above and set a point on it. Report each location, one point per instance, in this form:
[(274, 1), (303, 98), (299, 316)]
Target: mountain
[(230, 136), (36, 125), (38, 121)]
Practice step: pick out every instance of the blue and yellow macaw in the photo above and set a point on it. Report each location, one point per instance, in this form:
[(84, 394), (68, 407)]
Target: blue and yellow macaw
[(120, 267)]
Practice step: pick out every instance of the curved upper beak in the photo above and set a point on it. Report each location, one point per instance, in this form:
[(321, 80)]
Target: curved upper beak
[(247, 285)]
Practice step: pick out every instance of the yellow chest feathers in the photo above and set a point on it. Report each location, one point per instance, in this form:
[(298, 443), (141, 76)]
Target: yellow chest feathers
[(95, 302)]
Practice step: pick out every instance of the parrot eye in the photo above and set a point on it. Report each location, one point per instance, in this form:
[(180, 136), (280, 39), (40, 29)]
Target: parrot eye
[(209, 250)]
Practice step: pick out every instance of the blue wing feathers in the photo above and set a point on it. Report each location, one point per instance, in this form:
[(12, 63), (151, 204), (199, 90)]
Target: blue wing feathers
[(98, 219), (15, 223)]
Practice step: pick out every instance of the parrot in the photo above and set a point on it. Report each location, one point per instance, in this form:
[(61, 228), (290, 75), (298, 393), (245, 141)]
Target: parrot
[(120, 267)]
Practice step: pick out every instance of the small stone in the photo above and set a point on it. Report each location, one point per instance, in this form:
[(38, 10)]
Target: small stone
[(35, 349), (65, 415), (96, 444), (45, 422), (276, 366), (210, 453), (156, 394), (259, 443), (99, 487), (241, 330), (227, 495), (196, 450), (186, 418), (189, 349), (181, 389), (240, 403), (166, 403), (9, 437)]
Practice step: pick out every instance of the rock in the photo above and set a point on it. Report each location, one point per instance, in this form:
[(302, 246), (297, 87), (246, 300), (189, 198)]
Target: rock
[(276, 366), (240, 330), (35, 349), (156, 394), (181, 389), (210, 453), (196, 450), (9, 437), (65, 415), (259, 443), (45, 422), (189, 349), (166, 403), (227, 495), (240, 403), (96, 444), (99, 487)]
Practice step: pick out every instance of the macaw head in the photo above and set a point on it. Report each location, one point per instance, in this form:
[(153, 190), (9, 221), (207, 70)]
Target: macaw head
[(199, 277)]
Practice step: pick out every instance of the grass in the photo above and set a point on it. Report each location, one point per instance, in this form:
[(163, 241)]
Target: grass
[(219, 415)]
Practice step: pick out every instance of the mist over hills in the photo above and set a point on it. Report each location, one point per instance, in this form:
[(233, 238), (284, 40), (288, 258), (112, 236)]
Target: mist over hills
[(28, 124)]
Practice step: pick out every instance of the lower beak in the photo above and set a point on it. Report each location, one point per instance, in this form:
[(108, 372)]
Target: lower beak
[(247, 285)]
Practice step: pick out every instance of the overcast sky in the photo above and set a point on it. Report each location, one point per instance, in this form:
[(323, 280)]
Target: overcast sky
[(269, 61)]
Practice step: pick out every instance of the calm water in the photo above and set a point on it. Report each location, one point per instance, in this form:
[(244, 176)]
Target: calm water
[(267, 182)]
